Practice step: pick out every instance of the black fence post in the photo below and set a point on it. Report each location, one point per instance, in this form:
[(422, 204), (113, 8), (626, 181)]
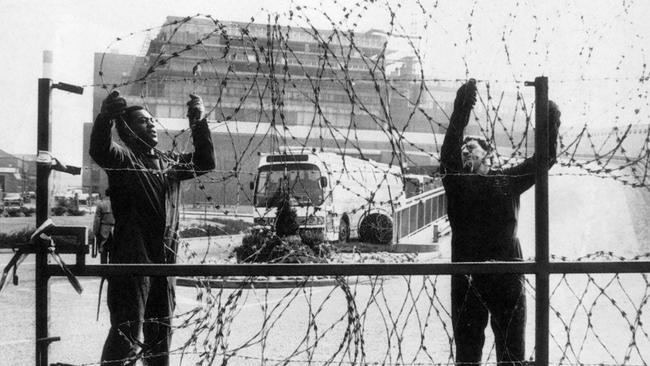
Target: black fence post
[(42, 212), (541, 223)]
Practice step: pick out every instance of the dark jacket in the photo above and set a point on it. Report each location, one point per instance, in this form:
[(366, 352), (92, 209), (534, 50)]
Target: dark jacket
[(145, 192), (483, 210)]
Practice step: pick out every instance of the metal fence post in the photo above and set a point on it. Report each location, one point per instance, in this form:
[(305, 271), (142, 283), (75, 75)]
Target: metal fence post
[(42, 211), (541, 222)]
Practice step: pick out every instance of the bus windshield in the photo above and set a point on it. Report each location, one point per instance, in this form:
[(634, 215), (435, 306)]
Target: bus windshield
[(301, 181)]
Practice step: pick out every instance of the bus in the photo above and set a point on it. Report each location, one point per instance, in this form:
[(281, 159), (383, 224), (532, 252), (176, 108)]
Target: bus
[(341, 197)]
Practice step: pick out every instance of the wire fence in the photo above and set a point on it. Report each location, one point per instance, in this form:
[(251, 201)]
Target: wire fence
[(324, 78), (389, 320)]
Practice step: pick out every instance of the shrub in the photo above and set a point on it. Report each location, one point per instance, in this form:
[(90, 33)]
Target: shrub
[(14, 212), (65, 206), (75, 212), (254, 247), (28, 211), (16, 237), (58, 210), (315, 240), (283, 246), (264, 246), (312, 238)]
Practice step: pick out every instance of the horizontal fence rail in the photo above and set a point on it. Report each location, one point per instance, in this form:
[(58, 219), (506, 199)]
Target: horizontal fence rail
[(386, 314), (364, 269)]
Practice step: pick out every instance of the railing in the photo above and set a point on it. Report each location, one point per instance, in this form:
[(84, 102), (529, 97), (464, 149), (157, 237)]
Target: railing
[(418, 213)]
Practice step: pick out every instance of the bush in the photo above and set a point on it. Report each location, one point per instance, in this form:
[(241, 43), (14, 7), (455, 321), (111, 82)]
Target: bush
[(75, 211), (283, 246), (28, 211), (59, 210), (65, 206), (312, 238), (14, 212), (16, 237), (263, 246), (315, 240)]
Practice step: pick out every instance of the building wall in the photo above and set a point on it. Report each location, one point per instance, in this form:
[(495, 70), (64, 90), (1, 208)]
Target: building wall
[(17, 173), (306, 84)]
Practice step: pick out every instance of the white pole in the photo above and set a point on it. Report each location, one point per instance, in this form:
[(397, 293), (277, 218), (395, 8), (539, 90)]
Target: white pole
[(48, 58)]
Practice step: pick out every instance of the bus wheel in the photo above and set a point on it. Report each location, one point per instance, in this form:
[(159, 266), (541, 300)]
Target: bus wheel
[(344, 231), (376, 229)]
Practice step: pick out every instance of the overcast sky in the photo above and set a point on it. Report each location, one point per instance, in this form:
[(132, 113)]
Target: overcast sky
[(512, 40)]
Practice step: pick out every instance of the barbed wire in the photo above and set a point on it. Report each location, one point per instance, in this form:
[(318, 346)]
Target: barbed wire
[(313, 79), (381, 320)]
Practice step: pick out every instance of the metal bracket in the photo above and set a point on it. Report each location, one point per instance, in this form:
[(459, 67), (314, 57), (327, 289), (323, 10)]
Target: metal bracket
[(46, 158), (48, 340)]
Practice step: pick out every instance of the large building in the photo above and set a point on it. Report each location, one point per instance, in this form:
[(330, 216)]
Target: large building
[(269, 86)]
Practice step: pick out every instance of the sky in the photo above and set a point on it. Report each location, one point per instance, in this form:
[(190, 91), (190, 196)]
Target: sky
[(569, 41)]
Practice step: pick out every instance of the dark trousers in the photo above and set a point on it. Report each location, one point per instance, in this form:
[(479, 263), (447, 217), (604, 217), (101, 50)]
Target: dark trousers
[(498, 296), (139, 304)]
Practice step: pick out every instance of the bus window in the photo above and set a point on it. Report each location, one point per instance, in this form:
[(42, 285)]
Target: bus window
[(301, 181)]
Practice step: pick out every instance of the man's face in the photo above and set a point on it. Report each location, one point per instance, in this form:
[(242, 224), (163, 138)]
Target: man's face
[(143, 126), (473, 155)]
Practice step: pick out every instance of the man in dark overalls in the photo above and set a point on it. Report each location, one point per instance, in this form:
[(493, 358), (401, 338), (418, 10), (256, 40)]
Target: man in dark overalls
[(483, 207), (103, 227), (144, 184)]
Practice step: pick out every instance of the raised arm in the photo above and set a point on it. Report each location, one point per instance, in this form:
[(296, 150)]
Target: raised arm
[(200, 161), (103, 150), (524, 173), (450, 155)]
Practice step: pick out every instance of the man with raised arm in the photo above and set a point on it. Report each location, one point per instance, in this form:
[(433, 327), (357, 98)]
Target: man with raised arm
[(144, 184), (483, 207)]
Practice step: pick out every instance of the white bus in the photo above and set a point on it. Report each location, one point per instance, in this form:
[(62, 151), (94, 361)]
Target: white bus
[(343, 197)]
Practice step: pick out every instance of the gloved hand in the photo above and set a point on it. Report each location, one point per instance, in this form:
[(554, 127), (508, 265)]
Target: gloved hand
[(195, 108), (466, 96), (114, 104)]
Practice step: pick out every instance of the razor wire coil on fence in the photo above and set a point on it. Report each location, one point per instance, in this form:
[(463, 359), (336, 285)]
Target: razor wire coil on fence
[(312, 79)]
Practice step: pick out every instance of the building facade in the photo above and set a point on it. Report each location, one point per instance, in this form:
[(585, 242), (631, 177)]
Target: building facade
[(269, 86), (17, 173)]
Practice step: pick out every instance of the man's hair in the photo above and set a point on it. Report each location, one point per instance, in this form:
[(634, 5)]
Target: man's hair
[(123, 129), (483, 143)]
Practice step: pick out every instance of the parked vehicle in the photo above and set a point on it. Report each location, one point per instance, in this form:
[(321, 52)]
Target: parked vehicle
[(333, 194), (12, 200)]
